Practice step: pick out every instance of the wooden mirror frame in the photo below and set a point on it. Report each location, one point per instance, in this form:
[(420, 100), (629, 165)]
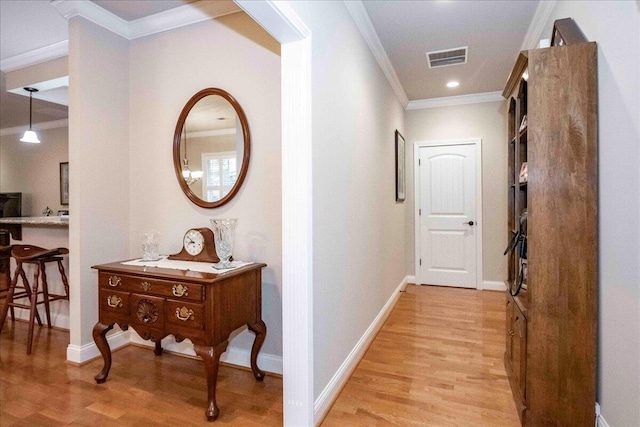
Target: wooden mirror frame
[(177, 138)]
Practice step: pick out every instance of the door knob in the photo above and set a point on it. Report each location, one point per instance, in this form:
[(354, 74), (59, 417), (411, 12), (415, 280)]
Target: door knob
[(469, 223)]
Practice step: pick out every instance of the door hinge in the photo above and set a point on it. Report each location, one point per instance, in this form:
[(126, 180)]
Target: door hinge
[(419, 212), (419, 162), (420, 261)]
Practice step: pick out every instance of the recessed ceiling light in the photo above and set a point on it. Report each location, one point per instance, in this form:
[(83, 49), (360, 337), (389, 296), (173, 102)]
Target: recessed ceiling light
[(453, 83)]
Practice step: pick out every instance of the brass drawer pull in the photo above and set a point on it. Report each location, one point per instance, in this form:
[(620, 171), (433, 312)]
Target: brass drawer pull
[(114, 281), (184, 314), (146, 286), (114, 301), (180, 290), (511, 332)]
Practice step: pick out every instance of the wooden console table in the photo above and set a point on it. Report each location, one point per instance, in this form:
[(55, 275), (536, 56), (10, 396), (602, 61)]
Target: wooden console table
[(204, 307)]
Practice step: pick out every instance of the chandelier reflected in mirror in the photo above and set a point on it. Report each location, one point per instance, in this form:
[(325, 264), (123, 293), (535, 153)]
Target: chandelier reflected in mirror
[(189, 176)]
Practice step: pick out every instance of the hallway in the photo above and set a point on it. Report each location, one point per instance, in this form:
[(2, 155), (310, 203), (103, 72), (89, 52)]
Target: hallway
[(438, 361)]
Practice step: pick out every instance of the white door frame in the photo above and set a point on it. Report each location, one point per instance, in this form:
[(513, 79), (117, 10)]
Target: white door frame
[(416, 188), (286, 27)]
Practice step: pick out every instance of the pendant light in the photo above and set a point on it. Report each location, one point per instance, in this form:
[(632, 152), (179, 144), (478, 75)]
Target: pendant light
[(189, 176), (30, 136)]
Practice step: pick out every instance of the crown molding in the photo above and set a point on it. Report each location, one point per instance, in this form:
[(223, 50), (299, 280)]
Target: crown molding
[(277, 18), (36, 56), (448, 101), (94, 13), (540, 18), (180, 17), (164, 21), (361, 18), (54, 124)]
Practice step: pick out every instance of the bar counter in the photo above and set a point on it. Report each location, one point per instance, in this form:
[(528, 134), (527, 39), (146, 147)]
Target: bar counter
[(54, 221)]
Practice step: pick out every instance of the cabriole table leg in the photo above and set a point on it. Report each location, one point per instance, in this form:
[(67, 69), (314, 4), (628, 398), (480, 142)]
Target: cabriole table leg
[(99, 336), (211, 357), (260, 329)]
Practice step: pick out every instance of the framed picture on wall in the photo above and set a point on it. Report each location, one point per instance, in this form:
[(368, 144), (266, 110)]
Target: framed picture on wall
[(400, 172), (64, 183)]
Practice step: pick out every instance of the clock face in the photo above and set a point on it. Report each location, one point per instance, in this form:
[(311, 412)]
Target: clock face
[(193, 242)]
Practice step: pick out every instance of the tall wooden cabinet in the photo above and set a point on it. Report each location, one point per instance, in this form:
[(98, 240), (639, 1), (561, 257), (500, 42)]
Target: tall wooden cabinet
[(551, 324)]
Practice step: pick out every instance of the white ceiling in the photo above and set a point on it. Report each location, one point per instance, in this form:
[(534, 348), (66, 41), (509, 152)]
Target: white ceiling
[(493, 30), (132, 10)]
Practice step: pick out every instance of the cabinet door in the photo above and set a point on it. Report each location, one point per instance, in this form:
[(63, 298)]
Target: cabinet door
[(509, 328), (519, 350)]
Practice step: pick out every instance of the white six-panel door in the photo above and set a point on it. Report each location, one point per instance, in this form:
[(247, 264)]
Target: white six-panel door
[(447, 215)]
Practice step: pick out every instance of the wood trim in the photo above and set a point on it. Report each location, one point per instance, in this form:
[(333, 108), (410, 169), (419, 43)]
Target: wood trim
[(516, 74), (568, 31)]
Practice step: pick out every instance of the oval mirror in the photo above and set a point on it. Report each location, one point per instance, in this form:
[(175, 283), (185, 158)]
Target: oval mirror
[(211, 148)]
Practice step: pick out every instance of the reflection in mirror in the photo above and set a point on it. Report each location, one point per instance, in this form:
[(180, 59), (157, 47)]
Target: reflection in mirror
[(213, 152)]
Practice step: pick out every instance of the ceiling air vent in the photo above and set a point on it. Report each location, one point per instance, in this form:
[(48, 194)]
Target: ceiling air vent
[(443, 58)]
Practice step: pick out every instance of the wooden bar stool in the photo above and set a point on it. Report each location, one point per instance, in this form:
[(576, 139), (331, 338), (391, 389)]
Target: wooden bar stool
[(29, 254), (5, 281)]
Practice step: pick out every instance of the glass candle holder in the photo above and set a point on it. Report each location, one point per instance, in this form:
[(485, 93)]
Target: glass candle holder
[(224, 234), (151, 246)]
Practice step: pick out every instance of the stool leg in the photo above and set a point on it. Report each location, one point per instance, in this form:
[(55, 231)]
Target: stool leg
[(27, 288), (45, 291), (64, 278), (9, 299), (34, 308)]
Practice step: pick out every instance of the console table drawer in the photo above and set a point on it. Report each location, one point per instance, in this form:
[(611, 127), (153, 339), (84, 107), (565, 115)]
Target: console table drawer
[(185, 314), (166, 288), (114, 302)]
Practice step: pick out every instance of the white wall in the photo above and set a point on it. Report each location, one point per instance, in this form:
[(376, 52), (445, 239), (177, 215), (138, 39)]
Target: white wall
[(235, 54), (98, 167), (34, 169), (358, 229), (615, 25), (487, 121)]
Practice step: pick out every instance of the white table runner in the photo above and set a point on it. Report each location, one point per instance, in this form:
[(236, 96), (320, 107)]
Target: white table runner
[(203, 267)]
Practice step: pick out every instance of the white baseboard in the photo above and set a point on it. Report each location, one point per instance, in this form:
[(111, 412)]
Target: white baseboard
[(410, 279), (58, 320), (490, 285), (600, 421), (241, 357), (330, 393), (84, 353), (233, 356)]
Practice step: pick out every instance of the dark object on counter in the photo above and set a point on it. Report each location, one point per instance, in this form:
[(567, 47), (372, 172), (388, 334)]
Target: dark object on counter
[(10, 205)]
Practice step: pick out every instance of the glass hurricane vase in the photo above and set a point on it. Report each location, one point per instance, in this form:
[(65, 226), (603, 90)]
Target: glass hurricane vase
[(224, 234)]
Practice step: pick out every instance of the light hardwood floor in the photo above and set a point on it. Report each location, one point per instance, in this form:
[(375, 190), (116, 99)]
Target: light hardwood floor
[(142, 389), (438, 361)]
